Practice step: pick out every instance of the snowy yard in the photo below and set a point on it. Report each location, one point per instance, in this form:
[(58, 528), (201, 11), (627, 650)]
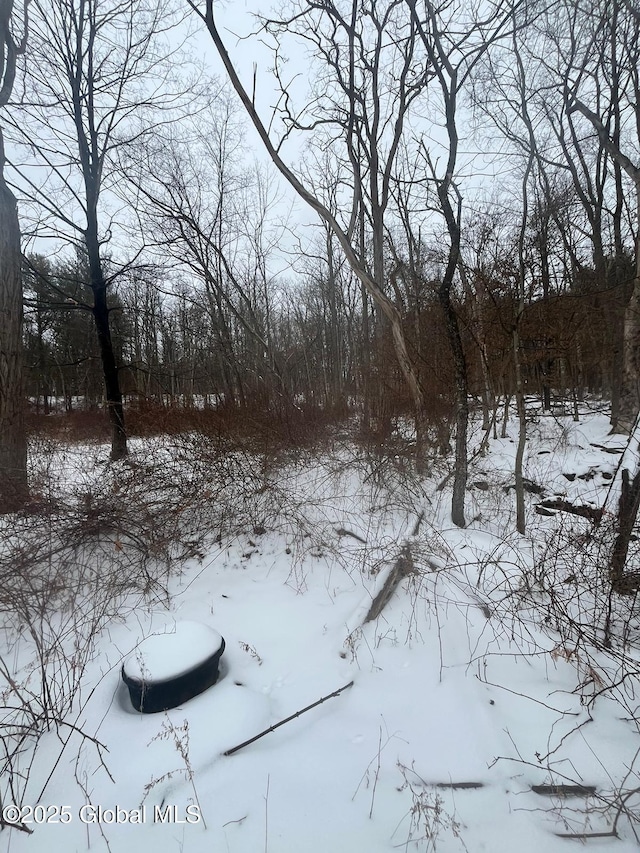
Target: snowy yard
[(489, 671)]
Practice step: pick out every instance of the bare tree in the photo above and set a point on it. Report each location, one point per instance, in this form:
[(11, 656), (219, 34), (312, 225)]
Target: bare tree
[(630, 395), (455, 40), (564, 44), (13, 444), (97, 83), (377, 61), (210, 213), (411, 77), (582, 84)]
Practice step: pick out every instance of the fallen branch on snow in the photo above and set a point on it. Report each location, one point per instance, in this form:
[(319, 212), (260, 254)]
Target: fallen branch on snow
[(287, 720)]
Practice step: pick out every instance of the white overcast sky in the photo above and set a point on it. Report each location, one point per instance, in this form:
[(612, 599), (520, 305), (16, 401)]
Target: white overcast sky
[(236, 23)]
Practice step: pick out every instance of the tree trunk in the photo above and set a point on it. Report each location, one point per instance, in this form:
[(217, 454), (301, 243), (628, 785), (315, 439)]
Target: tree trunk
[(522, 428), (628, 421), (103, 329), (13, 442), (629, 403), (457, 350), (110, 370), (335, 396), (621, 582), (621, 507), (462, 403), (366, 363)]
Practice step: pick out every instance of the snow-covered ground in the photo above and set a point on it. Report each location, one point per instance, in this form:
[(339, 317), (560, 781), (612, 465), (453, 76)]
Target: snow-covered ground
[(468, 689)]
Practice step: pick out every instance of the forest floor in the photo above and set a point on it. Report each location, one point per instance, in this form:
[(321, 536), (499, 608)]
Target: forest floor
[(500, 663)]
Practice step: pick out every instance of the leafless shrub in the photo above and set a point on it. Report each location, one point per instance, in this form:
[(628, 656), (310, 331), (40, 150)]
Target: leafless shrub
[(556, 602), (99, 540), (594, 627), (179, 736), (428, 818)]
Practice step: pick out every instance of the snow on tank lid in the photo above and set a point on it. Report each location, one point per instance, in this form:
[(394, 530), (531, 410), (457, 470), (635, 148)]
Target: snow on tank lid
[(180, 648)]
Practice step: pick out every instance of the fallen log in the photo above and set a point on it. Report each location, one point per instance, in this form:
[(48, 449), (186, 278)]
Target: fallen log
[(564, 790), (592, 512), (401, 569)]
